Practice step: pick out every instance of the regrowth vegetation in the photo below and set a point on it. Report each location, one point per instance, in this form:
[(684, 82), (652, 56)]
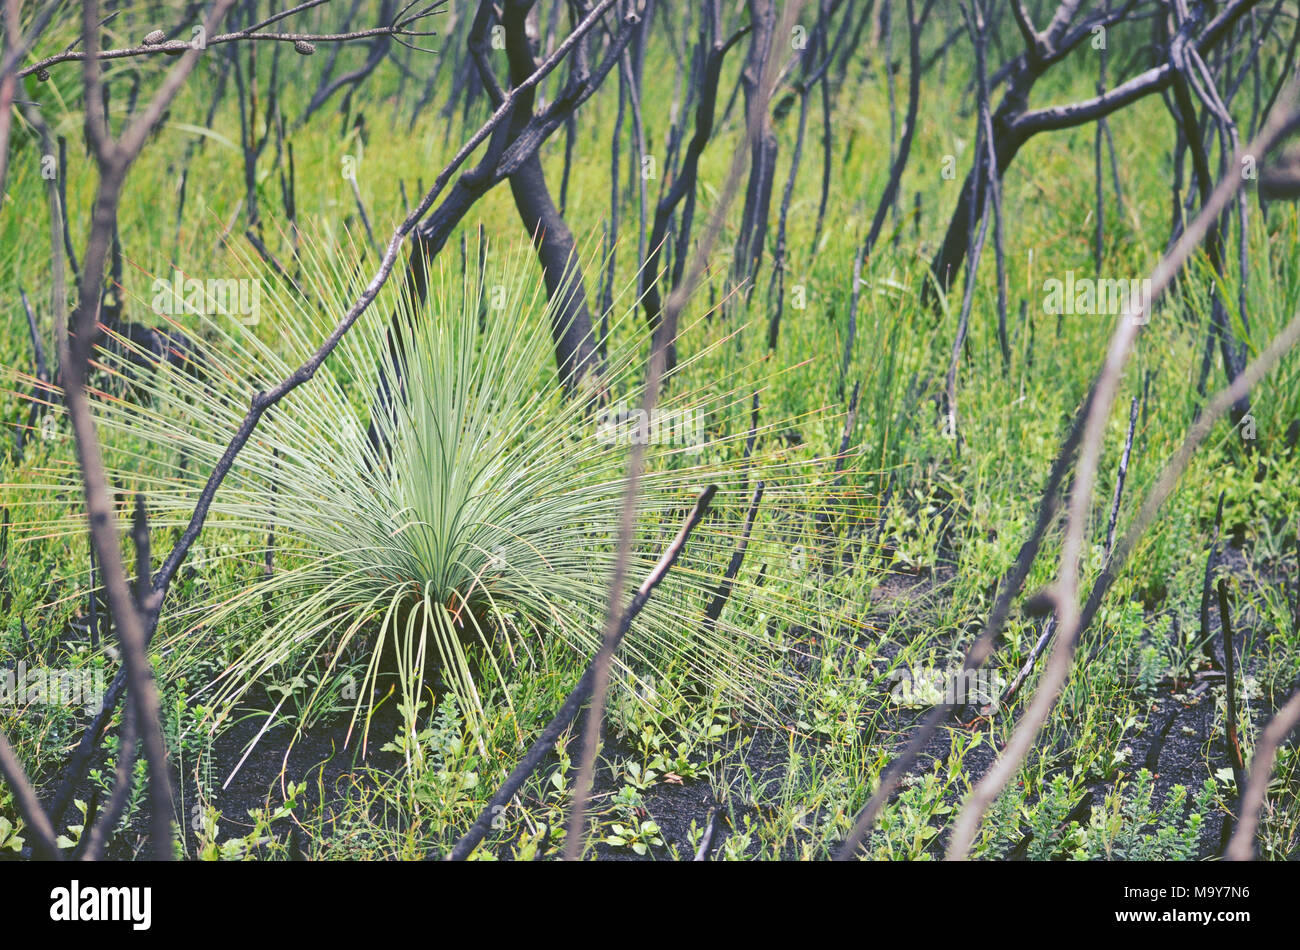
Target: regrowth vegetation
[(478, 507), (894, 402)]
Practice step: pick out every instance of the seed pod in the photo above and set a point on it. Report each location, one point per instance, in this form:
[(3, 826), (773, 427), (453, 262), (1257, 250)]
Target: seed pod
[(43, 75), (154, 37), (303, 47)]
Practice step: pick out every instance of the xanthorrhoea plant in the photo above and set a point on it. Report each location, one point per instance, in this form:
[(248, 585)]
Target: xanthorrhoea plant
[(484, 521)]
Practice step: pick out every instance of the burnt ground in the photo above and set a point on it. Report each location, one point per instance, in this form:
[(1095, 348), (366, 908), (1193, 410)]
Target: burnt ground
[(1172, 747), (316, 756), (1180, 728)]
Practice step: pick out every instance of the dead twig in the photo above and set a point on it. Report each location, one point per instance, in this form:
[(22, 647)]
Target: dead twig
[(545, 743), (1242, 845), (1066, 587), (1230, 671)]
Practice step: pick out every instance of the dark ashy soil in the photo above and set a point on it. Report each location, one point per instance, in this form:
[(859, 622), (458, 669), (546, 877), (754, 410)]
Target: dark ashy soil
[(1173, 747), (239, 783)]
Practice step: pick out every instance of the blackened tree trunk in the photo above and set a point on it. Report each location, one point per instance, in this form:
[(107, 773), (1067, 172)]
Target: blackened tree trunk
[(762, 168), (576, 353), (508, 150), (956, 240), (571, 327), (711, 52), (1014, 123)]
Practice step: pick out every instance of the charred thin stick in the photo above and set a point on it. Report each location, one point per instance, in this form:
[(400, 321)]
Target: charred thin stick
[(752, 436), (35, 117), (92, 605), (42, 374), (887, 41), (811, 74), (1008, 589), (706, 840), (289, 195), (714, 50), (963, 325), (1069, 615), (1120, 475), (638, 138), (714, 610), (889, 197), (80, 759), (1206, 585), (1283, 723), (1099, 224), (757, 117), (26, 634), (1114, 166), (849, 418), (195, 145), (266, 254), (985, 158), (398, 28), (1230, 671), (1000, 265), (6, 592), (544, 744), (38, 823), (1202, 82), (611, 229), (1185, 59), (827, 137), (852, 331), (995, 196), (1013, 688), (268, 558), (365, 218), (763, 146)]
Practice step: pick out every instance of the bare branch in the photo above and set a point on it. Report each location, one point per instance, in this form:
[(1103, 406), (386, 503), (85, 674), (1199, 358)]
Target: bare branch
[(398, 28), (28, 804), (545, 742), (1283, 723), (1065, 591)]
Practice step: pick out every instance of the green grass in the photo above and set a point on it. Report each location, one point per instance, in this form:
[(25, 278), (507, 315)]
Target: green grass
[(791, 760)]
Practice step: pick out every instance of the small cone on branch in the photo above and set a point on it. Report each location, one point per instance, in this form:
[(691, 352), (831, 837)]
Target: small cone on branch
[(303, 47), (43, 75), (154, 37)]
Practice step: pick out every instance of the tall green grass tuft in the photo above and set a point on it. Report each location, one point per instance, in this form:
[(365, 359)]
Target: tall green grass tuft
[(481, 532)]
